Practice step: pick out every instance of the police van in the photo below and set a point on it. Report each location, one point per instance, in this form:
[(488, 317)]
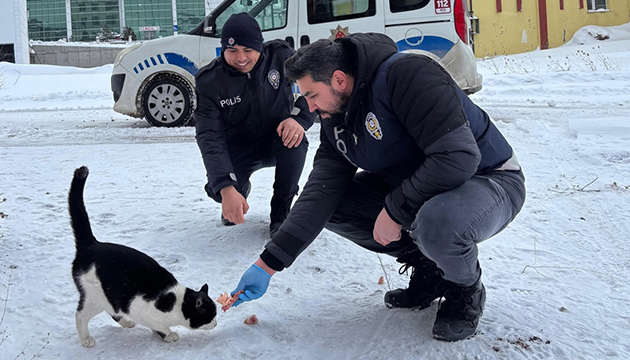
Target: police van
[(155, 79)]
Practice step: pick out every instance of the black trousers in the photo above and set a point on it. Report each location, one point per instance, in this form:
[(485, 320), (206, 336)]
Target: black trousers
[(268, 151)]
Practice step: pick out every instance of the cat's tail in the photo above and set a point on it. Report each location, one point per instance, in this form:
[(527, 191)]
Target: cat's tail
[(78, 216)]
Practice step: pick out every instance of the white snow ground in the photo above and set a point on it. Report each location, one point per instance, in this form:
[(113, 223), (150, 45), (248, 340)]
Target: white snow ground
[(556, 278)]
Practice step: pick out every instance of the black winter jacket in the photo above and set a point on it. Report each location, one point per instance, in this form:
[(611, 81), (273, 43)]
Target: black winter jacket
[(237, 108), (407, 121)]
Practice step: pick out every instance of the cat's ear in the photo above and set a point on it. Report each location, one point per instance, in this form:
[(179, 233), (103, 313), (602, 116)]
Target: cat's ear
[(204, 289), (199, 303)]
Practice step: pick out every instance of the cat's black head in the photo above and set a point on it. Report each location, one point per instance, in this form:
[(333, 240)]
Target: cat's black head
[(199, 309)]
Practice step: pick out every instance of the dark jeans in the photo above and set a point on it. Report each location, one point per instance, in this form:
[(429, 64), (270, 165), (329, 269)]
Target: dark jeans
[(448, 226), (267, 151)]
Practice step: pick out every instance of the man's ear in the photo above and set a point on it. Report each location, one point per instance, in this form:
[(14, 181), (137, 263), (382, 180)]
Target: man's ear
[(339, 81)]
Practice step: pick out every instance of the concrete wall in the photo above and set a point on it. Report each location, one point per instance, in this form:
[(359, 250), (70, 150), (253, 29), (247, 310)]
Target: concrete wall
[(73, 55), (507, 32), (511, 31)]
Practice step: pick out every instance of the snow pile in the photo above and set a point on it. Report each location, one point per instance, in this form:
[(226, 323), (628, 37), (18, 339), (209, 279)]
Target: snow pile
[(592, 34), (51, 87)]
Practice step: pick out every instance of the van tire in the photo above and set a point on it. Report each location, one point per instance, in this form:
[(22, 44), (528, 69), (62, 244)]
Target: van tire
[(168, 100)]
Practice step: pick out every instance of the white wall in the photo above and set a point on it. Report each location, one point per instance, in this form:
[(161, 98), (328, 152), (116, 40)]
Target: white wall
[(14, 28), (7, 26), (21, 29)]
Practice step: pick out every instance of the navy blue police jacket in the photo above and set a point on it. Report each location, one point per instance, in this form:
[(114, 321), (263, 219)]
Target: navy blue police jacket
[(234, 108), (407, 121)]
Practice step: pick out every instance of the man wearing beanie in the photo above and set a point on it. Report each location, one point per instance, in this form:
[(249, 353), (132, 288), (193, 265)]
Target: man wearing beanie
[(247, 119)]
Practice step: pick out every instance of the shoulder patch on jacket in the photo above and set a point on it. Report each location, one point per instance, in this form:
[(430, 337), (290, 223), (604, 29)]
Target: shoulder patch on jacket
[(373, 126)]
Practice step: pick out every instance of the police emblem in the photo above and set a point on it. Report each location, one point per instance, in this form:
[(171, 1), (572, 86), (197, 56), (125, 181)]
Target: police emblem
[(339, 32), (274, 78), (230, 42), (373, 127)]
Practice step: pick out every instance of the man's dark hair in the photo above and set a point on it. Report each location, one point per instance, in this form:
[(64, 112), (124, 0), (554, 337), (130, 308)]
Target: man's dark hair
[(320, 60)]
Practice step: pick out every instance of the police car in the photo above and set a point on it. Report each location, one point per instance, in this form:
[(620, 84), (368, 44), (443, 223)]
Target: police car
[(155, 79)]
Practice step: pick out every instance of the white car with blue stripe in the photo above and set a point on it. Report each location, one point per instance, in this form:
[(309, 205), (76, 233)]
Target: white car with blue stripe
[(155, 79)]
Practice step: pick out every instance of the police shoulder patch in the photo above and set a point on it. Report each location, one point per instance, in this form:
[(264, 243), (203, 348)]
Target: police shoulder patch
[(274, 78), (373, 126)]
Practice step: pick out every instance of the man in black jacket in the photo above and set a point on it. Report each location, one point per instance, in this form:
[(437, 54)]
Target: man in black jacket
[(438, 177), (247, 119)]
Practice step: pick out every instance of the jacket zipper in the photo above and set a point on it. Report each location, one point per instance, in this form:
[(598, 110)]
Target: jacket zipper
[(256, 103), (356, 144)]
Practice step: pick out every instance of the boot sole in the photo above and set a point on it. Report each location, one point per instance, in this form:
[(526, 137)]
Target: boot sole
[(417, 307)]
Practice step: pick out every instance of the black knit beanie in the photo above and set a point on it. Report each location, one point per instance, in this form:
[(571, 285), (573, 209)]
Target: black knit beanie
[(241, 29)]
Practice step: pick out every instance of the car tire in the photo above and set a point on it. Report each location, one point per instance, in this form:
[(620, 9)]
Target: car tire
[(168, 100)]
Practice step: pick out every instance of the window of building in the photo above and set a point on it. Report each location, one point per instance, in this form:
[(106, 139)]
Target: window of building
[(321, 11), (6, 53), (270, 14), (406, 5), (47, 20), (595, 5)]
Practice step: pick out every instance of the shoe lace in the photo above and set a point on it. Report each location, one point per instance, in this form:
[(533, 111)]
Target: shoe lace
[(450, 304), (403, 269), (418, 263)]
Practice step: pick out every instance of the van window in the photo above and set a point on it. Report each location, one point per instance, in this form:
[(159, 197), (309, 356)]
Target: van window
[(270, 14), (406, 5), (320, 11)]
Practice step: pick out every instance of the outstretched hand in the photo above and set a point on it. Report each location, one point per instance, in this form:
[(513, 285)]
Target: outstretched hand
[(254, 283), (291, 132)]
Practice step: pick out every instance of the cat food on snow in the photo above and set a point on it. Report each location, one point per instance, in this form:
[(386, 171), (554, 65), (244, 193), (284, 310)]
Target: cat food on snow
[(227, 301), (251, 320)]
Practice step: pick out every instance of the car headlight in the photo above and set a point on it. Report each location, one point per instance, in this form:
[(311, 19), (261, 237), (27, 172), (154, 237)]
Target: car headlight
[(124, 52)]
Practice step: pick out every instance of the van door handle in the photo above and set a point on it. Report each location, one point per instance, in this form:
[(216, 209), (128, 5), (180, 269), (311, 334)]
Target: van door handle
[(290, 40), (305, 40)]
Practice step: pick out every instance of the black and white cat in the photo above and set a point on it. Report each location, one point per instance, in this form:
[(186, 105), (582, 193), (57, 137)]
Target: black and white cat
[(128, 284)]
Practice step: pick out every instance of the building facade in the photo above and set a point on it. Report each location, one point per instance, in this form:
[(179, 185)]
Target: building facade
[(14, 32), (517, 26), (85, 20)]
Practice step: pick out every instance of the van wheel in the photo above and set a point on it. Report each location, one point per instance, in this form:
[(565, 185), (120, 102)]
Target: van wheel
[(168, 100)]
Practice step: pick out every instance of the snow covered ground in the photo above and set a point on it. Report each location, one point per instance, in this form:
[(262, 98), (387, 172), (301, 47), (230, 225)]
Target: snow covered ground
[(556, 278)]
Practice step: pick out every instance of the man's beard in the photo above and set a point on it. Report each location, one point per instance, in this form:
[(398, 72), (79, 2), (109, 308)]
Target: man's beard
[(338, 109)]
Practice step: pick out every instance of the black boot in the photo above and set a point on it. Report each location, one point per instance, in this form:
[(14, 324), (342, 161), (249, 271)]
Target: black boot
[(226, 222), (458, 316), (279, 211), (426, 283)]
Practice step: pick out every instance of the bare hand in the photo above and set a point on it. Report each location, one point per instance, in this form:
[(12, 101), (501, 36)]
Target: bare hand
[(233, 205), (291, 132), (386, 230)]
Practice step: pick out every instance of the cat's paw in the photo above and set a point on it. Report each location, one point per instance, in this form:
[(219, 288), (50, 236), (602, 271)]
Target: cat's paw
[(171, 337), (88, 342), (127, 323)]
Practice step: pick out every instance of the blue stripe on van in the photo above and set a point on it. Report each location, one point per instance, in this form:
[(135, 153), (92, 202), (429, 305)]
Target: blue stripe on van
[(434, 44), (146, 62), (153, 61), (218, 51), (160, 59), (181, 61)]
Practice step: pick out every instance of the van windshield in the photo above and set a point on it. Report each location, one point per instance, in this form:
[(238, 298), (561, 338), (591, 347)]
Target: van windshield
[(270, 14)]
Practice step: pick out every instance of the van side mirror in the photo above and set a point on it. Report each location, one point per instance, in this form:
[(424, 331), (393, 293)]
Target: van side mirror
[(207, 24)]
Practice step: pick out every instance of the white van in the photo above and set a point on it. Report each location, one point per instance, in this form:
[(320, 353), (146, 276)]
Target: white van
[(155, 79)]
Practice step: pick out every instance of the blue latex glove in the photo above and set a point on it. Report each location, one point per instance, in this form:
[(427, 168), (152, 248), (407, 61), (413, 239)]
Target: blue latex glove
[(254, 282)]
